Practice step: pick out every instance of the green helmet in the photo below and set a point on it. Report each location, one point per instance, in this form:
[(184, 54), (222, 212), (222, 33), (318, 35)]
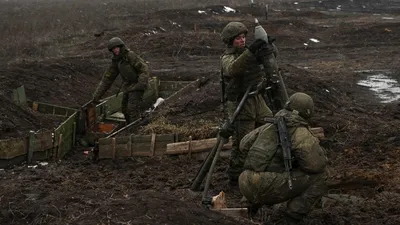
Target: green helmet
[(231, 30), (301, 102), (115, 42)]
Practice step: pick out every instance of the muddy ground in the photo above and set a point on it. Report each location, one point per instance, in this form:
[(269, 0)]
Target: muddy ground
[(57, 50)]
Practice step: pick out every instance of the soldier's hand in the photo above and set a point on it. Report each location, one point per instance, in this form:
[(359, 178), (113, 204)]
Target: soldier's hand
[(226, 130), (271, 39), (256, 45), (264, 51), (95, 101)]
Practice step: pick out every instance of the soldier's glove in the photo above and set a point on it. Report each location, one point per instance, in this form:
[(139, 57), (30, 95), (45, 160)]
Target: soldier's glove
[(256, 45), (271, 39), (226, 130), (264, 52), (95, 101)]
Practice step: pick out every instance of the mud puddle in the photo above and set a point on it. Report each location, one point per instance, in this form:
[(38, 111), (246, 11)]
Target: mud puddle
[(385, 87)]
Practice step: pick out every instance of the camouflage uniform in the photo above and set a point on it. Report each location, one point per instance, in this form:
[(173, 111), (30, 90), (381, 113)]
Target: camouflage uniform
[(134, 74), (264, 181), (241, 69)]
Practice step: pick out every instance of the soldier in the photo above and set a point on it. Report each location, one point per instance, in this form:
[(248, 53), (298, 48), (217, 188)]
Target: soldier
[(264, 181), (241, 68), (134, 74)]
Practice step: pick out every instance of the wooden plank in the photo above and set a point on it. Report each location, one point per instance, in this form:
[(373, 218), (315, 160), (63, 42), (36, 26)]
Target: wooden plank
[(162, 141), (152, 143), (318, 132), (147, 138), (196, 146), (52, 109), (113, 148), (190, 147), (130, 144), (35, 106), (44, 141), (141, 148), (67, 131), (135, 145), (59, 149), (119, 140), (105, 149), (207, 144), (32, 145), (11, 148), (123, 151), (19, 95)]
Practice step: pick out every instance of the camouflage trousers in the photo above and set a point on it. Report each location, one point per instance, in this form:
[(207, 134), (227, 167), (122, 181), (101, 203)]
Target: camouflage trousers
[(250, 117), (132, 105), (269, 188)]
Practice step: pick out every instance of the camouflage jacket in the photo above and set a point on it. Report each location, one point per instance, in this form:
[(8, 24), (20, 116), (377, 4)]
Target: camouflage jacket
[(240, 70), (265, 153), (133, 70)]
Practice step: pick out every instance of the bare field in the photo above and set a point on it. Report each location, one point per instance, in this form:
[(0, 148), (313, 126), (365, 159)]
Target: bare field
[(57, 49)]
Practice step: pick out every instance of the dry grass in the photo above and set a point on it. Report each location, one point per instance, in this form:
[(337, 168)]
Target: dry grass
[(199, 129)]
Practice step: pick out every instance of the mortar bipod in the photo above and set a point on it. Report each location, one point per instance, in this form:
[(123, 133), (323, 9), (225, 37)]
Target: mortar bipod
[(212, 157)]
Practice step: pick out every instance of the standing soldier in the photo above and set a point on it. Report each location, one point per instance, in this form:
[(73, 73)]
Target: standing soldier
[(242, 68), (134, 74), (266, 180)]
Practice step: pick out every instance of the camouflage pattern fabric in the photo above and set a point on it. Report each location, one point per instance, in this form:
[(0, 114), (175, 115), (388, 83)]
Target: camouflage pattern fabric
[(264, 181), (251, 116), (241, 70), (134, 73), (132, 105)]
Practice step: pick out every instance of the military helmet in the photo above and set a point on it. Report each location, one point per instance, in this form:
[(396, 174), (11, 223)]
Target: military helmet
[(231, 30), (301, 102), (115, 42)]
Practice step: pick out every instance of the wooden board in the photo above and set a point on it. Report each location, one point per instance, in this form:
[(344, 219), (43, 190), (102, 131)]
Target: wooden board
[(112, 105), (196, 146), (52, 109), (11, 148), (318, 132), (134, 145), (207, 144), (44, 141), (66, 131), (19, 95)]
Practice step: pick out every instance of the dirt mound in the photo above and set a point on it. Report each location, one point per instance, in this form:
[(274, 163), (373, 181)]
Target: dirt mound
[(66, 82), (17, 120), (360, 139), (142, 191)]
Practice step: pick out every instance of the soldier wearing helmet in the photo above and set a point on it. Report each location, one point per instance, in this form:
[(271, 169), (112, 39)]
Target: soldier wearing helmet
[(264, 181), (134, 73), (242, 68)]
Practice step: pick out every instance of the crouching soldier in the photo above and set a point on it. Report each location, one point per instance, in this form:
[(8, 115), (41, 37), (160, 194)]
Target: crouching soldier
[(134, 74), (265, 180)]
